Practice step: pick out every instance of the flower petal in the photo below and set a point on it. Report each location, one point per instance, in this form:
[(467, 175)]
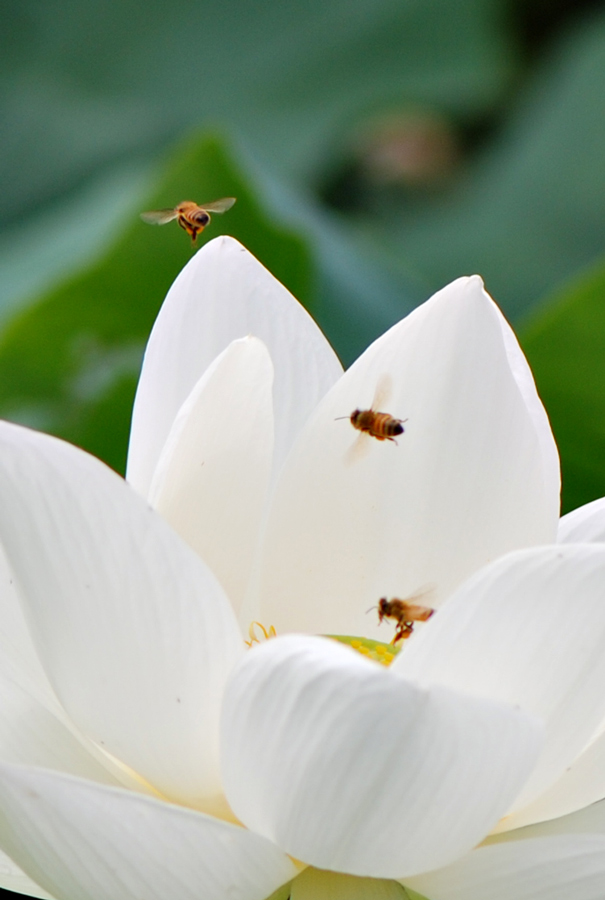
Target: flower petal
[(13, 879), (212, 477), (224, 293), (31, 734), (82, 841), (18, 658), (581, 784), (551, 861), (338, 761), (469, 480), (133, 630), (584, 525), (527, 630), (34, 727)]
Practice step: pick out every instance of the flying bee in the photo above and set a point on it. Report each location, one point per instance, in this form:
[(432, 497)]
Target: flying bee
[(405, 613), (370, 422), (189, 215)]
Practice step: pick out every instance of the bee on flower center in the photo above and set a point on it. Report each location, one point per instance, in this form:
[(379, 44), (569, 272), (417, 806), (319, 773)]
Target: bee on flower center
[(405, 613), (189, 215)]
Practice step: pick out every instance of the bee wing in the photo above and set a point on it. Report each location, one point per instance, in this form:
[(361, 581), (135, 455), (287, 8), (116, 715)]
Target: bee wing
[(219, 206), (384, 389), (159, 216), (422, 596), (358, 449)]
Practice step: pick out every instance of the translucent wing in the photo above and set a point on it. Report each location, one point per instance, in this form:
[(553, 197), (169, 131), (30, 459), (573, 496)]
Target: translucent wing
[(358, 449), (382, 394), (219, 206), (159, 216)]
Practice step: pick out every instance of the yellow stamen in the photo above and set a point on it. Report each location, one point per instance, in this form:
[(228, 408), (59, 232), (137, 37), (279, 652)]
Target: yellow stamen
[(265, 636)]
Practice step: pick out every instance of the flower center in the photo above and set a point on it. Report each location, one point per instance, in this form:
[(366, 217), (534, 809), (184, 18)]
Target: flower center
[(376, 650)]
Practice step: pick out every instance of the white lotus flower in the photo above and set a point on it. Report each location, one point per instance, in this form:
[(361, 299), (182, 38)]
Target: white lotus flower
[(146, 753)]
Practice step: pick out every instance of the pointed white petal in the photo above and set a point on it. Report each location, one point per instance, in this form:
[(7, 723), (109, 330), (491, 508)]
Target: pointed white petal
[(582, 783), (134, 631), (522, 374), (316, 884), (469, 480), (212, 477), (549, 868), (527, 630), (338, 761), (224, 293), (585, 524), (82, 841), (13, 879)]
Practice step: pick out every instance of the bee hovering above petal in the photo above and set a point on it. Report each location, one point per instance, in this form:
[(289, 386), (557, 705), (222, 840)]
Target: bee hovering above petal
[(405, 613), (192, 217), (371, 423)]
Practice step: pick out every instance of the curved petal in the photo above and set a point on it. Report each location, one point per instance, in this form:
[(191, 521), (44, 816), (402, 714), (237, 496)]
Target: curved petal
[(31, 734), (18, 658), (468, 481), (212, 477), (224, 293), (13, 879), (527, 630), (34, 727), (589, 820), (338, 761), (82, 841), (584, 525), (133, 630), (548, 868), (581, 784)]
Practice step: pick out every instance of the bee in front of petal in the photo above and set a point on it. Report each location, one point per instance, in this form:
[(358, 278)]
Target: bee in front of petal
[(405, 613), (372, 423)]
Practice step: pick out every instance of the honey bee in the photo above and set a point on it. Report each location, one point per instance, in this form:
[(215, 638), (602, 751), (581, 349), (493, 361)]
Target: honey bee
[(405, 613), (189, 215), (380, 425)]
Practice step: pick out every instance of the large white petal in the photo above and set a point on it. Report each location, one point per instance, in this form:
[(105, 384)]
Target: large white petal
[(556, 868), (585, 524), (34, 727), (555, 860), (32, 734), (588, 820), (134, 631), (18, 658), (13, 879), (530, 630), (469, 480), (338, 761), (582, 783), (82, 841), (212, 477), (224, 293)]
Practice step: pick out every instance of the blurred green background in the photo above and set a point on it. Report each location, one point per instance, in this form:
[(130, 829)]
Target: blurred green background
[(378, 149)]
